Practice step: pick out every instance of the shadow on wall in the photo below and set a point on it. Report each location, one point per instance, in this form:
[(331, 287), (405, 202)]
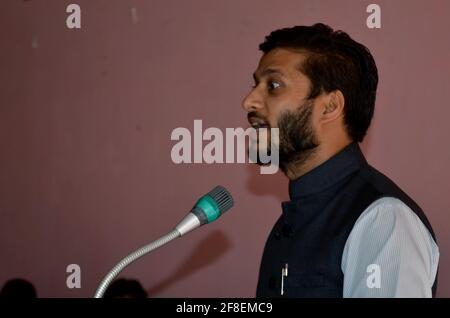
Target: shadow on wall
[(203, 255), (267, 184)]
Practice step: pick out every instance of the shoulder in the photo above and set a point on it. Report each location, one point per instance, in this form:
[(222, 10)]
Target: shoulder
[(390, 219), (375, 185), (388, 214), (388, 233)]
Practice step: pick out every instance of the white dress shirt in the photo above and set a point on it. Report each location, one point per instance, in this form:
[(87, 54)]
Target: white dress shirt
[(389, 253)]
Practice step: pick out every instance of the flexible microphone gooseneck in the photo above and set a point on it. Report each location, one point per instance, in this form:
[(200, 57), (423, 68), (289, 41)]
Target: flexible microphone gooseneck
[(207, 209)]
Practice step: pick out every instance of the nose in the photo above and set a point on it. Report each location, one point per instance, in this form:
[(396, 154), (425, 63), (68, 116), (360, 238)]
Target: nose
[(252, 101)]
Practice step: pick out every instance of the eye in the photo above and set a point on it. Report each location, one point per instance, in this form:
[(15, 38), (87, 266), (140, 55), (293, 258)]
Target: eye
[(273, 85)]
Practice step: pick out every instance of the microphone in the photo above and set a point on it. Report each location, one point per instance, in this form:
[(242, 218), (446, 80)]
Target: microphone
[(206, 210)]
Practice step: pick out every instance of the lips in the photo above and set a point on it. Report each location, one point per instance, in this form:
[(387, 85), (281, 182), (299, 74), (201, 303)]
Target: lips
[(257, 123)]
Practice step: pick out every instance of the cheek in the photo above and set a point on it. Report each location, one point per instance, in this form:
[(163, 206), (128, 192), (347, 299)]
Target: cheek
[(272, 118), (275, 112)]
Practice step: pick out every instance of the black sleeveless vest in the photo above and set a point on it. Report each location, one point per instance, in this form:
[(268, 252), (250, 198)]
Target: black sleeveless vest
[(312, 231)]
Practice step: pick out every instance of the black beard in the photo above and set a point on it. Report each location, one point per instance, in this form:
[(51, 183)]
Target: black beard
[(297, 139)]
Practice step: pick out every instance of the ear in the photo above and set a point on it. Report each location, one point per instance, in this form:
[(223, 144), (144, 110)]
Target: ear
[(333, 106)]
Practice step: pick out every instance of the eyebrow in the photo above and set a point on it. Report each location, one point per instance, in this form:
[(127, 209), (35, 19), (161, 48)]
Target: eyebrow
[(267, 72)]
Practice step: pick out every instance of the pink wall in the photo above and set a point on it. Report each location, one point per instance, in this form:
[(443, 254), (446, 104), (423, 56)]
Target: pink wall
[(86, 117)]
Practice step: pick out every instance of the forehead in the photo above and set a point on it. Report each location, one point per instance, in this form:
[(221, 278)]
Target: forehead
[(283, 60)]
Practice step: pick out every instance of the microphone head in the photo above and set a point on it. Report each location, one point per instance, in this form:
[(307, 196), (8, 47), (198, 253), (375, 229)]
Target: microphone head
[(222, 197), (213, 204)]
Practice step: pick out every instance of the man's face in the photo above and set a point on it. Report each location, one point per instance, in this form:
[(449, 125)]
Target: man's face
[(279, 100)]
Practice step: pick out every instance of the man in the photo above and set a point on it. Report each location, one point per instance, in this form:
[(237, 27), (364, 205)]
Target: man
[(347, 231)]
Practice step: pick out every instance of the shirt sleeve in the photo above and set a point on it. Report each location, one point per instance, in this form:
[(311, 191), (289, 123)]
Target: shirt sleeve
[(389, 253)]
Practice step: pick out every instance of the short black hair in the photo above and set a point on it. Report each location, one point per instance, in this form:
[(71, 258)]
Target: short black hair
[(125, 288), (18, 288), (334, 61)]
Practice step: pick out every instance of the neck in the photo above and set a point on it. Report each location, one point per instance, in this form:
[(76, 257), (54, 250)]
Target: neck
[(321, 154)]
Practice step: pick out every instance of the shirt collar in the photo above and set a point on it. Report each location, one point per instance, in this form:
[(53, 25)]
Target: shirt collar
[(341, 165)]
